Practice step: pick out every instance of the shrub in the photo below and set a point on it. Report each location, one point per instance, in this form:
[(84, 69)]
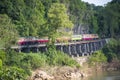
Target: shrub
[(97, 57), (59, 58), (26, 61), (0, 64), (14, 58), (3, 56), (13, 73), (34, 60)]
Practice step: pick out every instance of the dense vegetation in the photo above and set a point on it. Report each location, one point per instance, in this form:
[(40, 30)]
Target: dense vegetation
[(35, 16), (97, 58), (52, 18), (112, 50), (18, 66)]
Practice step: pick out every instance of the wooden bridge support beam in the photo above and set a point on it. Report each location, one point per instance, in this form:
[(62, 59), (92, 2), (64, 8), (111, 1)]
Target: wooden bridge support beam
[(37, 49), (87, 47), (94, 46), (46, 49), (66, 49), (91, 48), (85, 50), (69, 48), (61, 48), (101, 44), (28, 50), (73, 50), (19, 50), (78, 48), (82, 49), (98, 45), (76, 52)]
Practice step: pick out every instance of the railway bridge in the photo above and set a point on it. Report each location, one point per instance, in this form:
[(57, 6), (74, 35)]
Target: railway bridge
[(79, 48)]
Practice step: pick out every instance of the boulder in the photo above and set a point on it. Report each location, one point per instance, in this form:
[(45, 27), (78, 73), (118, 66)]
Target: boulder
[(41, 75)]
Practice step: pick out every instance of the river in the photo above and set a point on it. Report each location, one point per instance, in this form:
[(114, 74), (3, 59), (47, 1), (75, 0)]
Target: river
[(113, 75)]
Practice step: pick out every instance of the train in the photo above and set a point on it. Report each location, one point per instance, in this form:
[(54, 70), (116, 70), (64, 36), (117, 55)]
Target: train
[(35, 41)]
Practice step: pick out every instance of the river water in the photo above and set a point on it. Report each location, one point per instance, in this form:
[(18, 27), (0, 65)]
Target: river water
[(114, 75)]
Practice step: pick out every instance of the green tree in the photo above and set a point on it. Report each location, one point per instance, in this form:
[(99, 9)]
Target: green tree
[(28, 16), (13, 8), (34, 14), (58, 21), (77, 11), (112, 18), (109, 19), (112, 50), (8, 33), (94, 24)]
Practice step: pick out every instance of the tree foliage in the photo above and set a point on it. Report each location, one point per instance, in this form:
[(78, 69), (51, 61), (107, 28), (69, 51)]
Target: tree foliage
[(112, 18), (112, 50), (58, 21), (8, 32), (28, 16), (109, 20), (32, 19), (53, 18), (34, 15), (1, 64)]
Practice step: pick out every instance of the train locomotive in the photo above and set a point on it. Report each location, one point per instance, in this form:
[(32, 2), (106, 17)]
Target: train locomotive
[(38, 41)]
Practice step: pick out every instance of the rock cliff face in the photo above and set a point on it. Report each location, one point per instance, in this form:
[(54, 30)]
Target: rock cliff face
[(80, 29)]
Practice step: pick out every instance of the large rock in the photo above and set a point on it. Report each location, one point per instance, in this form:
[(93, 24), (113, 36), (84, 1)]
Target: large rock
[(41, 75), (75, 75)]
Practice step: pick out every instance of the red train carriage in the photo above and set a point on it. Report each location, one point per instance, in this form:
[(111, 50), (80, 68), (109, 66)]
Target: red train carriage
[(21, 41), (31, 41), (43, 41)]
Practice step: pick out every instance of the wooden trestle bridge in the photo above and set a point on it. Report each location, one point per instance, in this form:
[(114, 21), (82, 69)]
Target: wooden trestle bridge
[(80, 48)]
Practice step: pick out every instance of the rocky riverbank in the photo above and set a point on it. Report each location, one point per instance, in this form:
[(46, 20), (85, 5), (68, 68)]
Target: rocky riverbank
[(72, 73), (58, 73), (112, 66)]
